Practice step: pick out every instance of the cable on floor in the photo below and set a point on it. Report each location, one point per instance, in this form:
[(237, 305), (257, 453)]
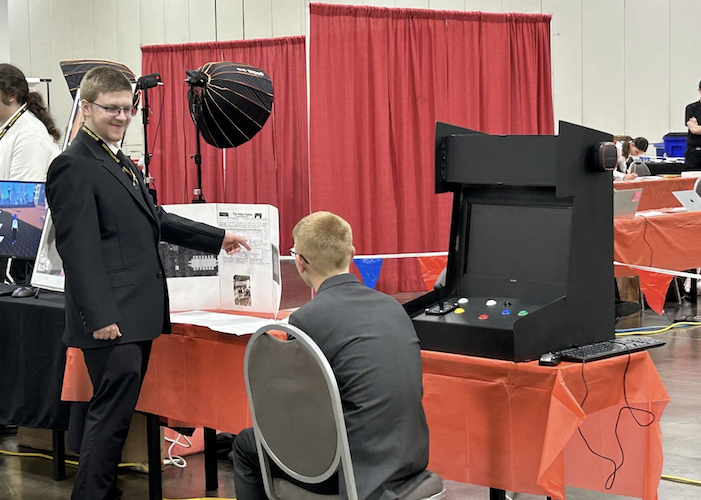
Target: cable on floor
[(683, 480), (655, 330), (49, 457), (675, 479), (177, 460)]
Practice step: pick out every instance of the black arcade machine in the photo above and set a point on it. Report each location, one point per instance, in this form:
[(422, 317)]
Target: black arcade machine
[(530, 264)]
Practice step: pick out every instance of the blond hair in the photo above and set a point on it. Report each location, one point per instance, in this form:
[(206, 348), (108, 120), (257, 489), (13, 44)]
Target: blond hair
[(103, 79), (325, 240)]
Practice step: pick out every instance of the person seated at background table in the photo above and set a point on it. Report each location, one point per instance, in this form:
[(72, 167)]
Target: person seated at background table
[(374, 352), (628, 150)]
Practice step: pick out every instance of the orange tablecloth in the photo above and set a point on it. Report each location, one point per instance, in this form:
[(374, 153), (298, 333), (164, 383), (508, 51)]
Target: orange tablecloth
[(195, 376), (513, 426), (657, 191), (493, 423), (667, 241)]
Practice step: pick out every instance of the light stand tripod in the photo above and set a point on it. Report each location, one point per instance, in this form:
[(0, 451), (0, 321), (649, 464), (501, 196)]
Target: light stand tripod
[(195, 80), (144, 83)]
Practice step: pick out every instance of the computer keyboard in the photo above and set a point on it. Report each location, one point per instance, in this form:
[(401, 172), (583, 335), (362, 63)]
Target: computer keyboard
[(6, 289), (608, 348)]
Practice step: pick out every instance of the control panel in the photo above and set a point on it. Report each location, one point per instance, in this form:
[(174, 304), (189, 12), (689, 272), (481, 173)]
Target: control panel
[(489, 312)]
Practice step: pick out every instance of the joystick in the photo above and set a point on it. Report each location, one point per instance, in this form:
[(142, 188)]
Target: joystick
[(440, 308), (438, 289)]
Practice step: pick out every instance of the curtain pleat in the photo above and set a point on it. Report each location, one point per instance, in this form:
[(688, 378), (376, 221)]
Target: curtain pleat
[(380, 78), (271, 168)]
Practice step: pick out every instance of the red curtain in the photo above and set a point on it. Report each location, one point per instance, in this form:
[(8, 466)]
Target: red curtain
[(271, 168), (171, 131), (380, 79)]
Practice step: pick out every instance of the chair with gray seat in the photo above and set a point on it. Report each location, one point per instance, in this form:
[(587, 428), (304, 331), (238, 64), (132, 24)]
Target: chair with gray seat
[(640, 167), (298, 418)]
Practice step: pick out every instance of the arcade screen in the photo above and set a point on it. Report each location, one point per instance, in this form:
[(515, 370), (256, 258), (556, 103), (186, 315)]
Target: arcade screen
[(528, 244), (22, 215)]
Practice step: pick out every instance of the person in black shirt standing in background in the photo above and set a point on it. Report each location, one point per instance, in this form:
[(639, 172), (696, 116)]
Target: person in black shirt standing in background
[(692, 157)]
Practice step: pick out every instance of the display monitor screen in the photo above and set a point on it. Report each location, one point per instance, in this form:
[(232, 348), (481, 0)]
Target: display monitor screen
[(22, 215), (519, 244)]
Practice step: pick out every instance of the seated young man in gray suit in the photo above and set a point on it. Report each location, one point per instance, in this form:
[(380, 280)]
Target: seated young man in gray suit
[(374, 352)]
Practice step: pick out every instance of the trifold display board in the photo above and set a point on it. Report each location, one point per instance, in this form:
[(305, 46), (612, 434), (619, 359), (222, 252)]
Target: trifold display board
[(247, 281), (531, 245)]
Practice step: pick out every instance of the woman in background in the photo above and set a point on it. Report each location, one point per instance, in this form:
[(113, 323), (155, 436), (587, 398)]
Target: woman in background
[(28, 134), (628, 149)]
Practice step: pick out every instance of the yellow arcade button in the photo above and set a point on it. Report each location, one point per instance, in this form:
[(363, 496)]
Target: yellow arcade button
[(459, 310)]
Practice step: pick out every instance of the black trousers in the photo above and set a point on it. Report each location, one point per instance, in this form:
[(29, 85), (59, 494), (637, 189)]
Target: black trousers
[(116, 372), (248, 478), (692, 159)]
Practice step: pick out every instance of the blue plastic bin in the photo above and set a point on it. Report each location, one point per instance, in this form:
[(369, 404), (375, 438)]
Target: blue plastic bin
[(659, 148), (675, 144)]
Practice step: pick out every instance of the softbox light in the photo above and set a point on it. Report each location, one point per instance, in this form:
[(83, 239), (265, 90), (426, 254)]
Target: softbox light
[(229, 102), (74, 70)]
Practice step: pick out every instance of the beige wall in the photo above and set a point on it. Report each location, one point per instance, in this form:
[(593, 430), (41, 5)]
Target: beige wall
[(624, 66)]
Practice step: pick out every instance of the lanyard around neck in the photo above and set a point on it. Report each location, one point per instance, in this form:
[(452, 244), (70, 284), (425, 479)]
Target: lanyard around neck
[(13, 121), (104, 145)]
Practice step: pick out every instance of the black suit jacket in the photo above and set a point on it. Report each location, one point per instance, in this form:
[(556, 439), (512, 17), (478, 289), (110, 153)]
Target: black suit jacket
[(373, 349), (107, 233)]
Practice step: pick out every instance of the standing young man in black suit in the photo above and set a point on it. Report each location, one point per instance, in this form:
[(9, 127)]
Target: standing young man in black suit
[(374, 352), (107, 233), (692, 116)]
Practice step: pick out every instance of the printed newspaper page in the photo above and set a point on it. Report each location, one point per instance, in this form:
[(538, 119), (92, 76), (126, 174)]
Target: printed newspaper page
[(248, 281)]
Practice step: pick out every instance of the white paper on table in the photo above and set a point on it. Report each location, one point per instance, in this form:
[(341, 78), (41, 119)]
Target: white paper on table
[(222, 322)]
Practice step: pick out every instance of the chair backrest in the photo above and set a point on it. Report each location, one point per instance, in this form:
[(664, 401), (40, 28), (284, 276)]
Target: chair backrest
[(641, 168), (697, 186), (296, 408)]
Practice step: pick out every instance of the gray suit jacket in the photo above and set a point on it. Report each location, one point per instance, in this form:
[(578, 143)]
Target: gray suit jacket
[(373, 349)]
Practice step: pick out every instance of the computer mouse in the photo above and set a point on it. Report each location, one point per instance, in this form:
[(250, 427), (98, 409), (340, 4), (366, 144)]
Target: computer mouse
[(549, 359), (23, 291)]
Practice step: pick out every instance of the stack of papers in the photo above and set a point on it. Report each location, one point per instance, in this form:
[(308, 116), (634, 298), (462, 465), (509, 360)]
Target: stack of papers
[(234, 324)]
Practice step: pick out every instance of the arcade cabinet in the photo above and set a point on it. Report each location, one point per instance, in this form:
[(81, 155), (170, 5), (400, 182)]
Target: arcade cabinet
[(530, 264)]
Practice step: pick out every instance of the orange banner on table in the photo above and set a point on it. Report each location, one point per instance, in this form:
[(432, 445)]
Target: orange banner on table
[(654, 286)]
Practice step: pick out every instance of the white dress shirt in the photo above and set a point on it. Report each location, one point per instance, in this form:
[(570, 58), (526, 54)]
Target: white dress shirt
[(26, 150)]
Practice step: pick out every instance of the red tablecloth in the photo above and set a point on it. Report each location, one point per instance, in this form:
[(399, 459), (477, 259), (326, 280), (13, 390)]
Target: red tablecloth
[(657, 191), (494, 423)]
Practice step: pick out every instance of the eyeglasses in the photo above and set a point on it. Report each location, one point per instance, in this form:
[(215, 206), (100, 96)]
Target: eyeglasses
[(294, 253), (114, 112)]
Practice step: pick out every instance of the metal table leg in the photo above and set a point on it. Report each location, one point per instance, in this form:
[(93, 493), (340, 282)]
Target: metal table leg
[(495, 494), (210, 459), (153, 443), (59, 455)]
